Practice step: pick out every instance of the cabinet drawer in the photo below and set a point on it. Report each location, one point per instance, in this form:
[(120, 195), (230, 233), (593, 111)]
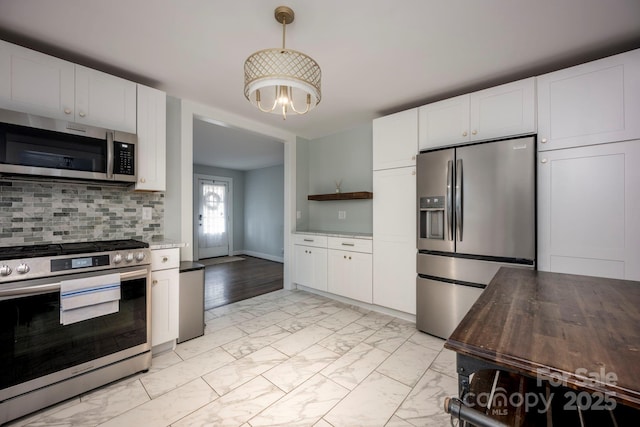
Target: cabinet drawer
[(310, 240), (349, 244), (162, 259)]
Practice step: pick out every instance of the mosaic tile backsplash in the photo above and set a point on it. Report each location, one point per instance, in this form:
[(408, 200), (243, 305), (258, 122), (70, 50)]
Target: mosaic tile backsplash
[(37, 212)]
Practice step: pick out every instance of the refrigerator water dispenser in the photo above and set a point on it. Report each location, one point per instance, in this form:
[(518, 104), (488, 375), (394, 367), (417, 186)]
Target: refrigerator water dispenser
[(432, 217)]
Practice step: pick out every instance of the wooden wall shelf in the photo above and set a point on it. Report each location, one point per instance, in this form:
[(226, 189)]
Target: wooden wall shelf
[(341, 196)]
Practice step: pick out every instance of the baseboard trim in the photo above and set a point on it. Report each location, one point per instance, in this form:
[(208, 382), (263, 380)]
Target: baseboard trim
[(260, 255), (373, 307)]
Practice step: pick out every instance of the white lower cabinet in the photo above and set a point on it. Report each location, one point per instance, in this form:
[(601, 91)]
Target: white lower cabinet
[(350, 267), (165, 281), (588, 210), (310, 261)]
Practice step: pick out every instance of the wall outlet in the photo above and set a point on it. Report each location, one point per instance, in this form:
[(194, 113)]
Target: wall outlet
[(342, 214), (147, 213)]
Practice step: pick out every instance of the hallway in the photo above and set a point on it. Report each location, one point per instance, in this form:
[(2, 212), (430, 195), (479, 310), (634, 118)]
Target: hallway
[(228, 282)]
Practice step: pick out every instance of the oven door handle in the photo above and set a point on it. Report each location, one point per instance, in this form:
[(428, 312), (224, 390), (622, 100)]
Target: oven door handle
[(29, 290), (136, 274), (55, 287)]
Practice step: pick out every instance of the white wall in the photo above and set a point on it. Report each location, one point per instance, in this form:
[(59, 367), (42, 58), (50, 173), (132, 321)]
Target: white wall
[(345, 156), (182, 164), (264, 213), (172, 208), (302, 184)]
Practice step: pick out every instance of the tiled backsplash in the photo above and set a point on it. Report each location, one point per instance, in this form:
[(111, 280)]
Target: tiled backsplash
[(52, 212)]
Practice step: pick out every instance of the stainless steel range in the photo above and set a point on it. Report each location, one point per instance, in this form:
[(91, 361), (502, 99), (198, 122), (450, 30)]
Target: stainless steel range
[(73, 317)]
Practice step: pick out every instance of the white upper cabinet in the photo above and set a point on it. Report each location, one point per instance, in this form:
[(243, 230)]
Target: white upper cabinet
[(395, 140), (497, 112), (505, 110), (35, 83), (152, 139), (444, 123), (104, 100), (592, 103)]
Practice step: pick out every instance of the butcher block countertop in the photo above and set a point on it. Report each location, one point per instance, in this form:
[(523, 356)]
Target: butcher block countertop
[(583, 330)]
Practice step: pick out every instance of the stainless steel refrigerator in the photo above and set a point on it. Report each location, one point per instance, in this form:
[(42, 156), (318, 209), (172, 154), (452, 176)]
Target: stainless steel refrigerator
[(476, 213)]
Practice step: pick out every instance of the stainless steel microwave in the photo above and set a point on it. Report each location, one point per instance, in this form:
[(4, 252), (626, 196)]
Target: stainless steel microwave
[(33, 145)]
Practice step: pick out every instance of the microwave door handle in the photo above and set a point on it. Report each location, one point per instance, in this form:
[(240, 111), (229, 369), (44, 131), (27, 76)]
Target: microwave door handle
[(450, 199), (110, 155), (459, 189)]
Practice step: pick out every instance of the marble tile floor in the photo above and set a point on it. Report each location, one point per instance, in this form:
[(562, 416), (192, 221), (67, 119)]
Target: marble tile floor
[(287, 358)]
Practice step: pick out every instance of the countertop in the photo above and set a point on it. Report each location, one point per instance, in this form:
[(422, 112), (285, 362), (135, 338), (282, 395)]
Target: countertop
[(353, 235), (572, 327), (186, 266), (165, 244)]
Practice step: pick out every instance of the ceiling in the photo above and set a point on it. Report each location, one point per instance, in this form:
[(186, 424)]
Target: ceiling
[(232, 148), (377, 56)]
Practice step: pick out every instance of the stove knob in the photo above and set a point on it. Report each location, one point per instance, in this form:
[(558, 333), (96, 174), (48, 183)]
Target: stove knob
[(140, 256), (5, 270), (22, 268), (117, 259), (129, 257)]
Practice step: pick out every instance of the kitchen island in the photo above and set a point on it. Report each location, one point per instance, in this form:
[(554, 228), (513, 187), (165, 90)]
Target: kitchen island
[(578, 333)]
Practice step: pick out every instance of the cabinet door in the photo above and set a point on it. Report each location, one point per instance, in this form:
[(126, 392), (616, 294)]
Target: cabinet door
[(505, 110), (152, 139), (444, 123), (104, 100), (588, 210), (592, 103), (350, 275), (164, 305), (394, 239), (303, 266), (35, 83), (310, 267), (395, 140)]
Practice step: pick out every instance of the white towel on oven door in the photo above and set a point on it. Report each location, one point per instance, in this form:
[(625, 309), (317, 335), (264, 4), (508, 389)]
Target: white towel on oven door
[(89, 297)]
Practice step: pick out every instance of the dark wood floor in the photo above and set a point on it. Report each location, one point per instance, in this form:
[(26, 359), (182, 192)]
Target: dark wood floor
[(235, 281)]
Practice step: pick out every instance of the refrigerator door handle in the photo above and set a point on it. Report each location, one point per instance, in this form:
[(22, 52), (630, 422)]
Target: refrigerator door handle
[(459, 219), (450, 199)]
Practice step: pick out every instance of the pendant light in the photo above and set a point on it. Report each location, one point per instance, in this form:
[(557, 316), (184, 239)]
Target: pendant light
[(282, 80)]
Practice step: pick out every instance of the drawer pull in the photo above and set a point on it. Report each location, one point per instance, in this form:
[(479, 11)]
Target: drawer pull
[(348, 244), (165, 259), (308, 240)]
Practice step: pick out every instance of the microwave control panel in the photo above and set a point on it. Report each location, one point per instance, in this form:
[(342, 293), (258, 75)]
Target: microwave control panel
[(124, 158)]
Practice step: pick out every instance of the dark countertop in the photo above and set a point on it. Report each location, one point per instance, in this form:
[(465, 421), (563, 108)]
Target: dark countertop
[(586, 329), (190, 266)]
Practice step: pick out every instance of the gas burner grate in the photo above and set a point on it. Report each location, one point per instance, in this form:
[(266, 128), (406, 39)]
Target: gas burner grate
[(71, 248)]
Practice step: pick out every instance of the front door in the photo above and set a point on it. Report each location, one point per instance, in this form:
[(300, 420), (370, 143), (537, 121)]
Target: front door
[(213, 218)]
